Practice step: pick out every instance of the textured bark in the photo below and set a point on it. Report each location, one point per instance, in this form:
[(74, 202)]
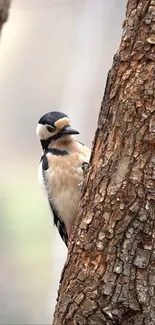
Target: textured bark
[(4, 10), (109, 276)]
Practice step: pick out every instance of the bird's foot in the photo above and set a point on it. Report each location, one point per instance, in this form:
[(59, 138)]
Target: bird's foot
[(85, 167)]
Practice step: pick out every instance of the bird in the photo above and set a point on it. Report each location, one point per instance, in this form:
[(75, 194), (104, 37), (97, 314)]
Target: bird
[(62, 168)]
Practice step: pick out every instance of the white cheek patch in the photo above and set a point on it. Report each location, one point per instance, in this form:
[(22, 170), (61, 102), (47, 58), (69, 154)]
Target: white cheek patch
[(42, 132)]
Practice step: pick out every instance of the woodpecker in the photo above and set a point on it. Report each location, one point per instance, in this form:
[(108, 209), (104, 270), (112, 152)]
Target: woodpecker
[(61, 169)]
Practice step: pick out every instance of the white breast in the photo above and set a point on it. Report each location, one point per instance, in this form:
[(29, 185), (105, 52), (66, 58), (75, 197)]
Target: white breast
[(63, 190)]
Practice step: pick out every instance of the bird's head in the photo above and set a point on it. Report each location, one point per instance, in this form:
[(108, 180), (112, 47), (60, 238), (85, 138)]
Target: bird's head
[(53, 126)]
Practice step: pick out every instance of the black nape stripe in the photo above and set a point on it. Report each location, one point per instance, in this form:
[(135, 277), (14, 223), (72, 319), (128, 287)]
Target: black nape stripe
[(45, 143), (56, 152)]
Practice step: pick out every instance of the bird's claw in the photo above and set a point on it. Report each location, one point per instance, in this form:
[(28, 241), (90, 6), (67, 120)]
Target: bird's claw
[(85, 167)]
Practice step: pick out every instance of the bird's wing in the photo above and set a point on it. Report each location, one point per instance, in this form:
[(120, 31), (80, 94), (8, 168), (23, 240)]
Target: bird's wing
[(43, 168), (85, 152)]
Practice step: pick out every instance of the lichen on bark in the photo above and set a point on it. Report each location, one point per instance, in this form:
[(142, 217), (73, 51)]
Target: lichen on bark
[(109, 276)]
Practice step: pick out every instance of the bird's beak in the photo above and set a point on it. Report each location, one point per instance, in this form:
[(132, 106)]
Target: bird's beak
[(68, 130)]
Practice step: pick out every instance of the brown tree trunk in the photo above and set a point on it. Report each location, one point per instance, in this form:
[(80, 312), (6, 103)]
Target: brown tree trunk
[(4, 9), (109, 276)]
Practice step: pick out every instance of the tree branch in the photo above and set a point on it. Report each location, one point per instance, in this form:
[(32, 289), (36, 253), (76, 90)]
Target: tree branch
[(109, 276)]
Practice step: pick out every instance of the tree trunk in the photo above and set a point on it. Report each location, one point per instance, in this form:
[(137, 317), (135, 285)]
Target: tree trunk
[(109, 276), (4, 9)]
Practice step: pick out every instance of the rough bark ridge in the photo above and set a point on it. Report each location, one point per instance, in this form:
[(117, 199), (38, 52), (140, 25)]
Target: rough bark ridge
[(109, 276), (4, 9)]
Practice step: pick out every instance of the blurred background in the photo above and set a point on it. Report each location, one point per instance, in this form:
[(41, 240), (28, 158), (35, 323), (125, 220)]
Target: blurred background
[(54, 55)]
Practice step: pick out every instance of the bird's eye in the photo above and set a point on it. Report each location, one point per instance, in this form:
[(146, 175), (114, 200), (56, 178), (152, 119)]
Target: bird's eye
[(50, 128)]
